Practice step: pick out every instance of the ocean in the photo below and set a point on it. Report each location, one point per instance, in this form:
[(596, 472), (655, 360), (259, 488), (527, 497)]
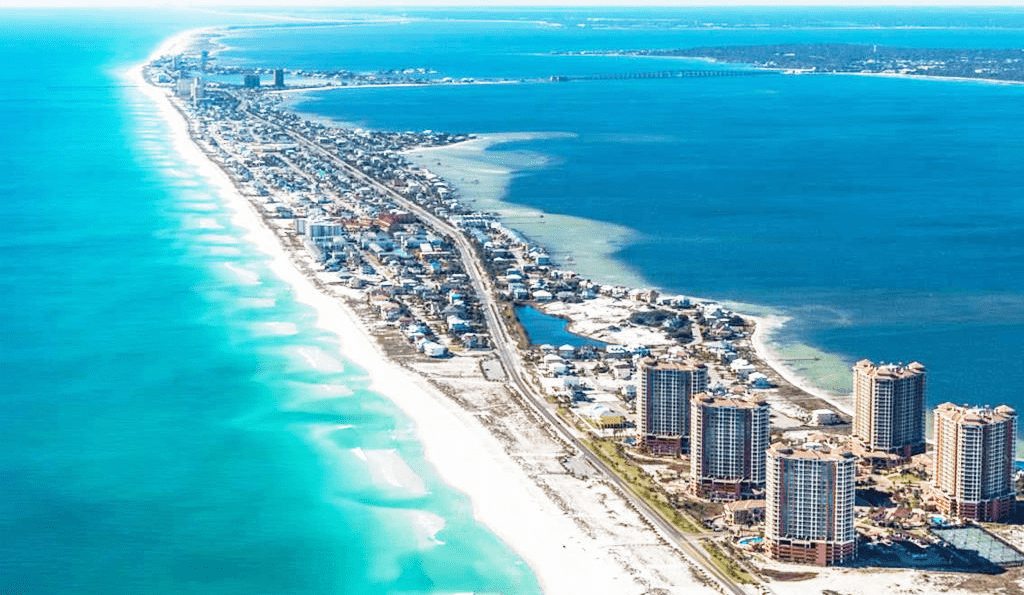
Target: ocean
[(173, 421)]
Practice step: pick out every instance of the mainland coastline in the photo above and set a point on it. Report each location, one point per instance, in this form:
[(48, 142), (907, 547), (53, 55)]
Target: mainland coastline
[(444, 426), (1002, 66)]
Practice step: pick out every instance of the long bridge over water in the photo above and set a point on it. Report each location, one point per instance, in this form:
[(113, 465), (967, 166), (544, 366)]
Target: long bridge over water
[(661, 74)]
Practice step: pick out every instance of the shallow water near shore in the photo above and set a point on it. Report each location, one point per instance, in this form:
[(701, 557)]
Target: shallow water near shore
[(483, 176), (174, 421)]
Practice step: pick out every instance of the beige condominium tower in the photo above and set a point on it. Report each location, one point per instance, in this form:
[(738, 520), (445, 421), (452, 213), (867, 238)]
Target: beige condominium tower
[(663, 403), (728, 438), (889, 408), (809, 504), (974, 454)]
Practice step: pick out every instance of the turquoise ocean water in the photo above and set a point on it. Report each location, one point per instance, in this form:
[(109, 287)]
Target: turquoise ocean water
[(172, 421)]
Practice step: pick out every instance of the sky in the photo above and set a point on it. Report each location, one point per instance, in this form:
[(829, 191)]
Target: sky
[(485, 3)]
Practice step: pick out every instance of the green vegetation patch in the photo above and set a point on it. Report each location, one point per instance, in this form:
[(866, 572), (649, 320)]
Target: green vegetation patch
[(783, 575), (904, 478), (515, 328), (727, 565), (641, 483)]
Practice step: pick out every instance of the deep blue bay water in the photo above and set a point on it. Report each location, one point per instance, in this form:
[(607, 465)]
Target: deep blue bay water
[(173, 421), (883, 215)]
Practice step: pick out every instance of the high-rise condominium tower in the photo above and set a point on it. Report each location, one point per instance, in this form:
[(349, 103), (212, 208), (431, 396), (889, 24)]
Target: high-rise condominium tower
[(663, 403), (974, 454), (809, 493), (889, 411), (728, 438)]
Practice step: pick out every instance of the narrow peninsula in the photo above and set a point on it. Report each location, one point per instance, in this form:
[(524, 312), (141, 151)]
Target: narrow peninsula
[(647, 458)]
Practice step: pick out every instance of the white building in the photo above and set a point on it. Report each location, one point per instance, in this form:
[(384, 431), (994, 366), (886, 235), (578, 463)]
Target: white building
[(758, 380), (432, 349), (742, 368), (321, 230), (824, 417)]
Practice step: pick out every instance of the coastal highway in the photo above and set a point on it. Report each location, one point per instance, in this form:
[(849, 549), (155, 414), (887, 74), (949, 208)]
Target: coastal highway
[(506, 348)]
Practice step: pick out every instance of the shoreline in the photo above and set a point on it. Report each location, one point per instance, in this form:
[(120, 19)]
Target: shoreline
[(803, 71), (764, 327), (464, 161), (465, 455), (920, 77), (484, 182)]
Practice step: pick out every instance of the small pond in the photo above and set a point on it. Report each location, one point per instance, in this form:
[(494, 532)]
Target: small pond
[(544, 329)]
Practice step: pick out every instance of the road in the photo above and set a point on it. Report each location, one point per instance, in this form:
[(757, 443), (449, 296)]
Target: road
[(507, 351)]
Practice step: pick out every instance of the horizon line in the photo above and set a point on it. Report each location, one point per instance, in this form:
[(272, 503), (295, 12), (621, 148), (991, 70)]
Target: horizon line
[(483, 4)]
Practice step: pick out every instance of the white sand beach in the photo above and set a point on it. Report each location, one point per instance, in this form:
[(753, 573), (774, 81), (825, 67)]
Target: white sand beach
[(760, 341), (565, 558), (923, 77)]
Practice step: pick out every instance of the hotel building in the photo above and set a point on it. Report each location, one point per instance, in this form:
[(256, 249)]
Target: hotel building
[(728, 438), (663, 403), (809, 493), (974, 454), (889, 409)]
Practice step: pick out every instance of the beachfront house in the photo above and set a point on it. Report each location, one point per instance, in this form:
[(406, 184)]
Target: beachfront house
[(742, 368), (432, 349), (758, 380)]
